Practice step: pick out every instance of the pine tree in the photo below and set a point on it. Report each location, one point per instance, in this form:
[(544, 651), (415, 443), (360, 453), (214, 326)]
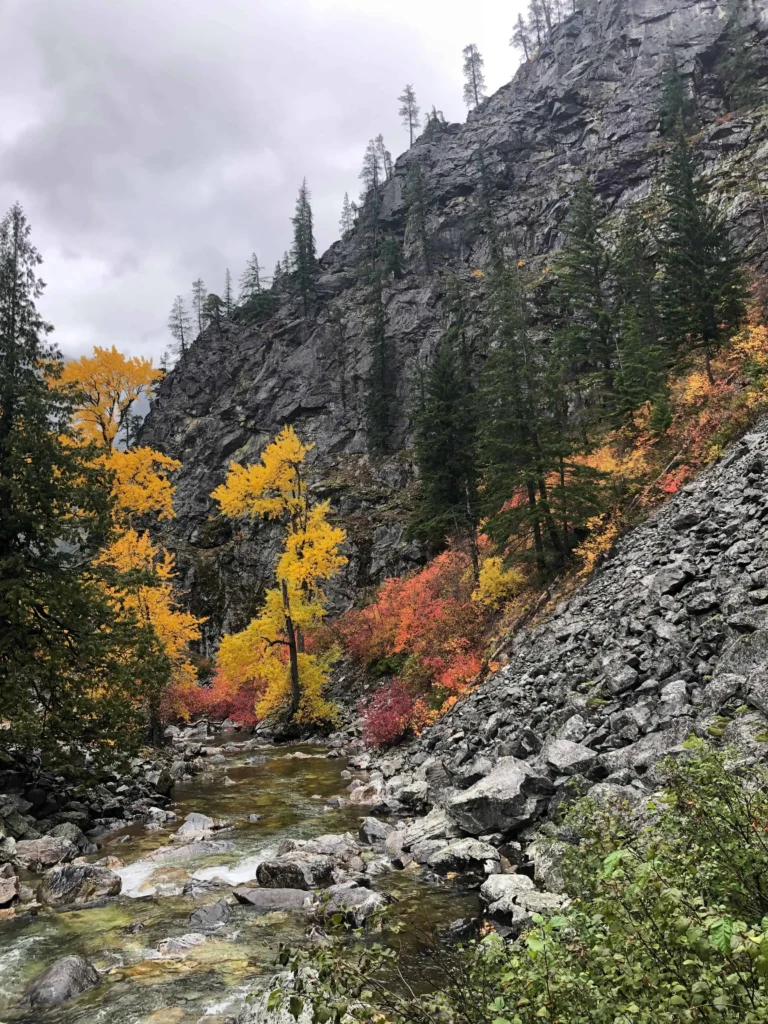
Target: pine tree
[(379, 382), (416, 205), (445, 436), (392, 256), (409, 111), (347, 221), (304, 252), (229, 301), (537, 22), (474, 79), (371, 177), (251, 282), (73, 674), (199, 295), (521, 38), (583, 289), (213, 310), (739, 64), (385, 157), (676, 103), (642, 358), (180, 325), (703, 286)]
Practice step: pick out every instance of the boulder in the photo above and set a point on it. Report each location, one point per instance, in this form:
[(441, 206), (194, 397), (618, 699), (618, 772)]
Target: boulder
[(567, 757), (74, 884), (180, 944), (267, 900), (212, 916), (648, 750), (465, 855), (63, 980), (299, 870), (190, 850), (373, 831), (506, 800), (500, 892), (354, 904), (9, 888), (38, 854), (435, 825), (745, 655)]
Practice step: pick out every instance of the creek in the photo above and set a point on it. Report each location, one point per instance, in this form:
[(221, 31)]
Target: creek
[(208, 981)]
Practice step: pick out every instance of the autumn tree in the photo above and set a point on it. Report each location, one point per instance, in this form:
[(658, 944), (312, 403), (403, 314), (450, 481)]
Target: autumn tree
[(474, 79), (703, 285), (73, 675), (445, 436), (304, 252), (409, 111), (199, 295), (271, 648), (180, 326)]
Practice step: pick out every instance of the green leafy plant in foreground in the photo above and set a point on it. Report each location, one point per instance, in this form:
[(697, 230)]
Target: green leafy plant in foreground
[(668, 922)]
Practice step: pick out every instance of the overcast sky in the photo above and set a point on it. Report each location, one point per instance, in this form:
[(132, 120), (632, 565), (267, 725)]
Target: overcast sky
[(154, 141)]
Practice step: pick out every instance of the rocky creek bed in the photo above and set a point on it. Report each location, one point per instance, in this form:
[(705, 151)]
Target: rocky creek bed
[(177, 916)]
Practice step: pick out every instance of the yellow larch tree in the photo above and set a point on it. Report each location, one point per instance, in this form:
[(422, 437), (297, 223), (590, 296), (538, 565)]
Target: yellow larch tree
[(108, 383), (271, 648)]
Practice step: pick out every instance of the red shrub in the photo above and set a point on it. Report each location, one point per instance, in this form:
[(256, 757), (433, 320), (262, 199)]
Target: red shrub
[(388, 716), (220, 700)]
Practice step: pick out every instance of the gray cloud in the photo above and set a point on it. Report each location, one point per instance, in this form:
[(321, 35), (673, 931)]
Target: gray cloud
[(152, 142)]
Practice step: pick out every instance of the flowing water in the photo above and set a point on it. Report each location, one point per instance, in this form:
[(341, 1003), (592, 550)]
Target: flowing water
[(208, 981)]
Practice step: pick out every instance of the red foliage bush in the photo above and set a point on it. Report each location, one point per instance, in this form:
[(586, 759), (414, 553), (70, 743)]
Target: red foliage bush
[(220, 700), (388, 716)]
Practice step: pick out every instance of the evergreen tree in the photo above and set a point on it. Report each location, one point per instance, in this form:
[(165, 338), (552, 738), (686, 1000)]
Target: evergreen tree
[(521, 38), (304, 252), (703, 286), (251, 282), (385, 157), (392, 256), (583, 289), (474, 79), (379, 383), (72, 672), (676, 104), (277, 277), (739, 64), (445, 435), (180, 325), (229, 302), (536, 22), (371, 177), (490, 226), (199, 295), (213, 310), (409, 111), (347, 221), (416, 205), (642, 358)]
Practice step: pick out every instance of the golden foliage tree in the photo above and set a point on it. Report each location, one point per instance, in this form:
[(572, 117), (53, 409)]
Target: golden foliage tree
[(271, 648), (107, 384)]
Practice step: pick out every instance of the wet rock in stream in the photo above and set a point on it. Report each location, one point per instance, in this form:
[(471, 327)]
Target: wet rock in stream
[(63, 980)]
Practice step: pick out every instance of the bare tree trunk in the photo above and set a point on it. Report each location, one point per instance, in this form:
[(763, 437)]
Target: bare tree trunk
[(293, 651), (537, 541)]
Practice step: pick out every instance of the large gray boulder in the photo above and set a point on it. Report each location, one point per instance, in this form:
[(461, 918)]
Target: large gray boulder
[(38, 854), (264, 901), (465, 855), (212, 916), (512, 796), (373, 831), (63, 980), (299, 870), (354, 903), (74, 884), (567, 757)]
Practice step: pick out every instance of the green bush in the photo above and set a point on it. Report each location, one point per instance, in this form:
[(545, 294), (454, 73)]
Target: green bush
[(667, 923)]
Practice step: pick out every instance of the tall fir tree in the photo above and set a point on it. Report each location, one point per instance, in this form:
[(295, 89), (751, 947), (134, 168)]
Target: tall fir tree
[(676, 102), (385, 157), (347, 221), (704, 292), (180, 326), (583, 291), (445, 436), (199, 295), (252, 281), (392, 256), (415, 199), (304, 251), (521, 38), (370, 198), (213, 311), (74, 676), (379, 381), (228, 297), (409, 111), (474, 78)]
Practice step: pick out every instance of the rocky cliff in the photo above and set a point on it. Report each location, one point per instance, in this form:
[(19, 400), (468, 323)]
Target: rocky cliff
[(669, 639), (588, 103)]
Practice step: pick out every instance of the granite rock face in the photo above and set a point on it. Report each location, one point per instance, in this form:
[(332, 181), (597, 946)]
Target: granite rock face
[(589, 103)]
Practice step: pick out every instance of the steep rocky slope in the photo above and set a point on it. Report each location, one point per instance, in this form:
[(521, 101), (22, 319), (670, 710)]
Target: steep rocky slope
[(589, 103), (669, 638)]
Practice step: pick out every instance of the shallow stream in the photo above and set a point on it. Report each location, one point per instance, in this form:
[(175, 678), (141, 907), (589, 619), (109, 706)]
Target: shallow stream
[(208, 981)]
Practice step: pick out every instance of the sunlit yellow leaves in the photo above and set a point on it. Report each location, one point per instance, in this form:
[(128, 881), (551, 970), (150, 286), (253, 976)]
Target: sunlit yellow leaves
[(270, 488), (110, 383), (141, 484), (311, 553), (497, 584)]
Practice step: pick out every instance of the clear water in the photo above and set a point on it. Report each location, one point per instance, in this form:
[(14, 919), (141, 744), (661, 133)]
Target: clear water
[(207, 981)]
